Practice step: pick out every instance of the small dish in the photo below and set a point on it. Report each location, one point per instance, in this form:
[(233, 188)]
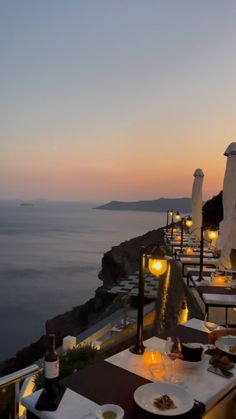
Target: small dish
[(110, 411)]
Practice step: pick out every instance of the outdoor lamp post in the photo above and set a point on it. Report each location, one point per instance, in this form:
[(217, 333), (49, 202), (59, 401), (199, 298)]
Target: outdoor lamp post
[(184, 222), (182, 234), (169, 213), (157, 265), (188, 222), (177, 216), (172, 222), (209, 234), (212, 234)]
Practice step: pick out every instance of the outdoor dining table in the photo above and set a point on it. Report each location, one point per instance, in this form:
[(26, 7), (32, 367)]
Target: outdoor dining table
[(195, 261), (215, 296), (115, 379), (195, 253)]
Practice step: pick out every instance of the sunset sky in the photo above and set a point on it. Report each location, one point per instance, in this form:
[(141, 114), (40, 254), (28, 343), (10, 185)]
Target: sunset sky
[(115, 99)]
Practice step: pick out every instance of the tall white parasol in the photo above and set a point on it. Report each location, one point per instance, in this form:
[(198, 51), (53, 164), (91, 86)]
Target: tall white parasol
[(197, 203), (227, 238)]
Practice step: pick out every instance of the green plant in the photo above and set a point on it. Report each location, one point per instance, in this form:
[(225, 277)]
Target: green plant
[(71, 361)]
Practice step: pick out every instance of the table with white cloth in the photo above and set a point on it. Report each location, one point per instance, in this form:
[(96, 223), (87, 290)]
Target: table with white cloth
[(195, 261), (195, 253), (214, 295), (115, 380)]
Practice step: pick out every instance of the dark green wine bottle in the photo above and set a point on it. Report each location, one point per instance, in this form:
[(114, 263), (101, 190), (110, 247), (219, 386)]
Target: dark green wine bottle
[(51, 370)]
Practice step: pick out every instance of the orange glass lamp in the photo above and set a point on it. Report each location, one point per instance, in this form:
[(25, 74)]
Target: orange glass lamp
[(151, 356), (189, 251), (157, 264), (219, 280)]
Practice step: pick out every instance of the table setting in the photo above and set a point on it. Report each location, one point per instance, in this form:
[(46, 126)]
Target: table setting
[(138, 384)]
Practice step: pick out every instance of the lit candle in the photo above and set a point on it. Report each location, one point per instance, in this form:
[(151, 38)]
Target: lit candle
[(152, 357), (189, 251), (178, 238), (219, 280)]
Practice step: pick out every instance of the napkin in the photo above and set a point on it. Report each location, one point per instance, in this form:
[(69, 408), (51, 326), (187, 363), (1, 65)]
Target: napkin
[(72, 406)]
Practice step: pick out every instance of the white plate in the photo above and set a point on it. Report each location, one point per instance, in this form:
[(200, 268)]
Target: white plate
[(145, 396), (225, 342)]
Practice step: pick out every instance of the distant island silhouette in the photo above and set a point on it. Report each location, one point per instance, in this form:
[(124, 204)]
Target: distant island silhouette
[(26, 204), (157, 205)]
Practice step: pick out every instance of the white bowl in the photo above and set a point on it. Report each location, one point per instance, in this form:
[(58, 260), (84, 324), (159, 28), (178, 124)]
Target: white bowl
[(110, 408)]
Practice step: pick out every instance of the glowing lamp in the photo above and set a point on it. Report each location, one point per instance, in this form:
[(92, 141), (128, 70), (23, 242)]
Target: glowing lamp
[(188, 222), (177, 216), (174, 230), (157, 265), (189, 251), (170, 213), (219, 280), (213, 233), (178, 238)]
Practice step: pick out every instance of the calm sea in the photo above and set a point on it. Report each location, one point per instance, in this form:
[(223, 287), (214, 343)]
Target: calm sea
[(50, 256)]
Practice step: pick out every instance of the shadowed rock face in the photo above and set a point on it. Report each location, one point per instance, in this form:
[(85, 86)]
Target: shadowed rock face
[(122, 260)]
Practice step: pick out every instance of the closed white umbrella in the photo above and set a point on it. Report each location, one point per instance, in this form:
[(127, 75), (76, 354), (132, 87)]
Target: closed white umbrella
[(228, 244), (197, 203), (227, 238)]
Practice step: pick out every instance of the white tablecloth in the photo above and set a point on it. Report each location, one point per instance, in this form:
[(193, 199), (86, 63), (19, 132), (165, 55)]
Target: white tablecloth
[(72, 406)]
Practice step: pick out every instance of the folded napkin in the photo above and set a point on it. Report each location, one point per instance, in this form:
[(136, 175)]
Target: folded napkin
[(72, 406)]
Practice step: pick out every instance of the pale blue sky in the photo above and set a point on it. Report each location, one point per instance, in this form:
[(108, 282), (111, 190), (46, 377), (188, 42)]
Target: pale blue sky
[(105, 99)]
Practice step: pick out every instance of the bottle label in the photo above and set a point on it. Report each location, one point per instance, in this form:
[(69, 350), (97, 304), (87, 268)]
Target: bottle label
[(51, 369)]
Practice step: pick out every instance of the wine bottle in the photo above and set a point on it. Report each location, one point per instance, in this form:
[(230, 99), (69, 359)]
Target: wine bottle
[(51, 370)]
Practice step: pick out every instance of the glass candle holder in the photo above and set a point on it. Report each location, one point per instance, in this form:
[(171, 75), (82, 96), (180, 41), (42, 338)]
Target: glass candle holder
[(219, 280), (152, 356), (189, 251)]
